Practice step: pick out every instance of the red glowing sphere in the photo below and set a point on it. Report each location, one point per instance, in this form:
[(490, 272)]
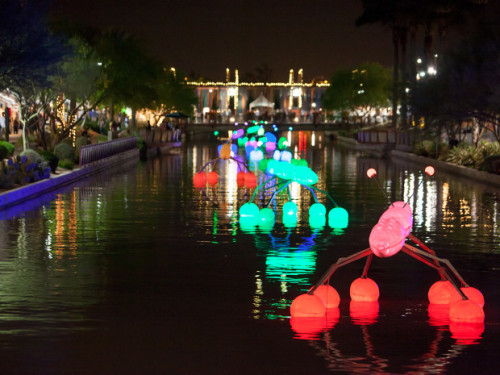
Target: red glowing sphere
[(371, 172), (364, 313), (466, 333), (328, 295), (429, 170), (440, 292), (250, 180), (364, 290), (307, 306), (240, 179), (471, 293), (200, 179), (466, 311), (212, 178)]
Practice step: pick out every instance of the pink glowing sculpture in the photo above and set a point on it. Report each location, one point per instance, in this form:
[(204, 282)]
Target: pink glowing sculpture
[(386, 239)]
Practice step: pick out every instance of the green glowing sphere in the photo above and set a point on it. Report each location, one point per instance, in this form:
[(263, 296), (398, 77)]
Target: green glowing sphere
[(317, 210), (248, 224), (249, 210), (289, 210), (282, 143), (266, 216), (216, 133), (338, 218), (317, 221), (263, 164), (253, 129)]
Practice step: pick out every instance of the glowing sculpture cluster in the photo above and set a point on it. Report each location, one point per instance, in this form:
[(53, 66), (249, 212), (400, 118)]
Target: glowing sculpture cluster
[(463, 305)]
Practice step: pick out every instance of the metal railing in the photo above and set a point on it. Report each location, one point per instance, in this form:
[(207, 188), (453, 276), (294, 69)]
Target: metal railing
[(384, 137), (91, 153)]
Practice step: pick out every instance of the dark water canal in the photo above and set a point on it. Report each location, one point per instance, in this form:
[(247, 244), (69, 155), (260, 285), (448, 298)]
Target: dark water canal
[(137, 272)]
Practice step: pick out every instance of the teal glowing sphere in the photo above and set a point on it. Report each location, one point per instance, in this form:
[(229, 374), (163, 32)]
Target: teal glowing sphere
[(263, 140), (338, 218), (317, 221), (216, 133), (282, 143), (289, 210), (248, 224), (249, 210), (317, 210), (290, 221), (253, 129), (266, 217)]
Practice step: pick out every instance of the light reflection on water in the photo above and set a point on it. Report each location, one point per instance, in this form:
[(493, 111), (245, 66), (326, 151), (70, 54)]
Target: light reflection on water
[(144, 249)]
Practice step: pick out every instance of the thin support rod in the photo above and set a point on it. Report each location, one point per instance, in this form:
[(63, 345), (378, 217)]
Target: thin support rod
[(408, 248), (327, 194), (340, 262), (277, 192), (258, 187), (312, 191), (426, 248), (240, 163), (210, 162), (367, 266)]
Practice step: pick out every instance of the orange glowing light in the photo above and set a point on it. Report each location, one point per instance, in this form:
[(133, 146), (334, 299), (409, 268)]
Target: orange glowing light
[(328, 295), (199, 179), (471, 293), (429, 170), (250, 180), (212, 177), (307, 306), (364, 290), (440, 292), (371, 172), (466, 311)]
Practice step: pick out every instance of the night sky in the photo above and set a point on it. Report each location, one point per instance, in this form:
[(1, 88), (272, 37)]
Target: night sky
[(206, 37)]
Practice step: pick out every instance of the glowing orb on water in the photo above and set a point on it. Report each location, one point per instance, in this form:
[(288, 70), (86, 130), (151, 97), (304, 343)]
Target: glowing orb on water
[(328, 295), (317, 210), (212, 178), (440, 292), (364, 290), (249, 209), (266, 217), (466, 311), (470, 292), (364, 313), (307, 305), (338, 218)]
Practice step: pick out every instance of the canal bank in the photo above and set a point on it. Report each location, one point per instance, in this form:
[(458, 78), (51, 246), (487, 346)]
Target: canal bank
[(490, 179)]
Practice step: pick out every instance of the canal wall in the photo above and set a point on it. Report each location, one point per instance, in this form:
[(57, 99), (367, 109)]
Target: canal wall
[(486, 178), (26, 192)]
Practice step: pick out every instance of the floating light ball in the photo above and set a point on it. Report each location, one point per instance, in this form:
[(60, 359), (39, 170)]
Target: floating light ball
[(200, 179), (289, 210), (277, 155), (364, 290), (270, 147), (317, 222), (240, 179), (282, 143), (250, 180), (471, 293), (328, 295), (466, 311), (256, 155), (212, 178), (249, 209), (338, 218), (270, 137), (248, 224), (371, 172), (307, 306), (225, 151), (238, 134), (364, 313), (253, 129), (261, 131), (266, 217), (263, 164), (216, 133), (429, 170), (286, 156), (317, 210), (440, 292)]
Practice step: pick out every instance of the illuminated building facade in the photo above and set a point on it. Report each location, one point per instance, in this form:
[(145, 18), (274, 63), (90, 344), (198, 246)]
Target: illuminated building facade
[(229, 101)]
